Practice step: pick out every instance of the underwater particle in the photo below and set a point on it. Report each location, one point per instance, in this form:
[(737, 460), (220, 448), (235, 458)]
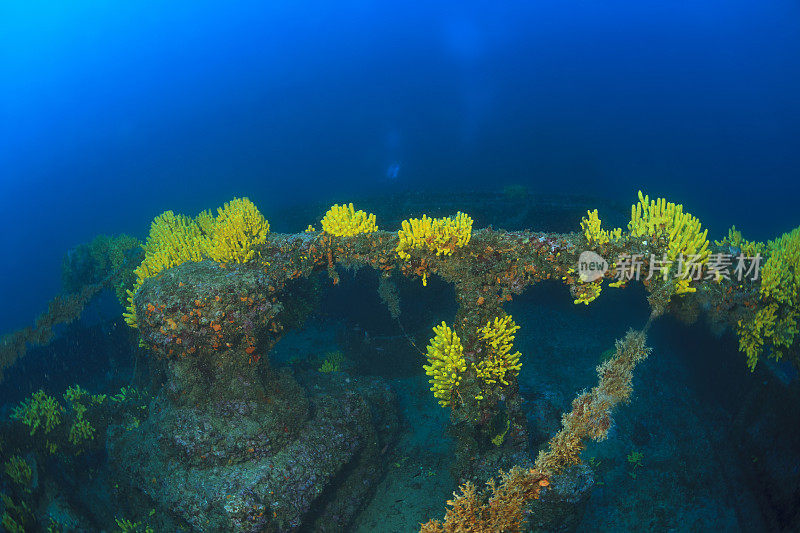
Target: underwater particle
[(345, 221)]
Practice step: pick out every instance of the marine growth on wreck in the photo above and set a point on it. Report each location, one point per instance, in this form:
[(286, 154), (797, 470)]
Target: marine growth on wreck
[(223, 439)]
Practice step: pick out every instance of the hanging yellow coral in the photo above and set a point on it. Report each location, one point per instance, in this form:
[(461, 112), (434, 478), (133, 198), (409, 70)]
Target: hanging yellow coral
[(593, 231), (345, 221), (586, 293), (440, 235), (238, 230), (666, 223), (500, 361), (446, 363), (780, 277), (173, 240), (775, 323), (754, 331)]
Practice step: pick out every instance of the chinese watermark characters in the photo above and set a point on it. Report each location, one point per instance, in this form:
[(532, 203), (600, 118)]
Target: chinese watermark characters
[(717, 267)]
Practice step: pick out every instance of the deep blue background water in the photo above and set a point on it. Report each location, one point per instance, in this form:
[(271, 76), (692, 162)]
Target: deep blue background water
[(111, 114)]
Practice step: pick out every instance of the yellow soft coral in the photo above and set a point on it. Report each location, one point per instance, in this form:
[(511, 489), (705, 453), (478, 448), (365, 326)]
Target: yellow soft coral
[(593, 231), (126, 526), (586, 293), (734, 239), (446, 363), (345, 221), (440, 235), (499, 360), (19, 471), (780, 277), (81, 432), (333, 362), (238, 230), (665, 223), (775, 322), (206, 221), (40, 410), (173, 240)]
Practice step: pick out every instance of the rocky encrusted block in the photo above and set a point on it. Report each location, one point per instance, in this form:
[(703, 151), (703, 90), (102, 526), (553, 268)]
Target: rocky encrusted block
[(317, 479)]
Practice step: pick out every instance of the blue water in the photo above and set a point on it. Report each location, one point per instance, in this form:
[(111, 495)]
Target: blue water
[(110, 114)]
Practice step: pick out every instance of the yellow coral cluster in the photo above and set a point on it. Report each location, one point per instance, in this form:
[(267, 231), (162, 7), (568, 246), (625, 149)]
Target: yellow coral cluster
[(19, 471), (333, 362), (775, 322), (446, 363), (126, 526), (238, 229), (16, 517), (81, 430), (586, 293), (593, 231), (734, 239), (176, 239), (173, 240), (780, 277), (754, 331), (665, 222), (40, 410), (500, 360), (205, 219), (440, 235), (345, 221)]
